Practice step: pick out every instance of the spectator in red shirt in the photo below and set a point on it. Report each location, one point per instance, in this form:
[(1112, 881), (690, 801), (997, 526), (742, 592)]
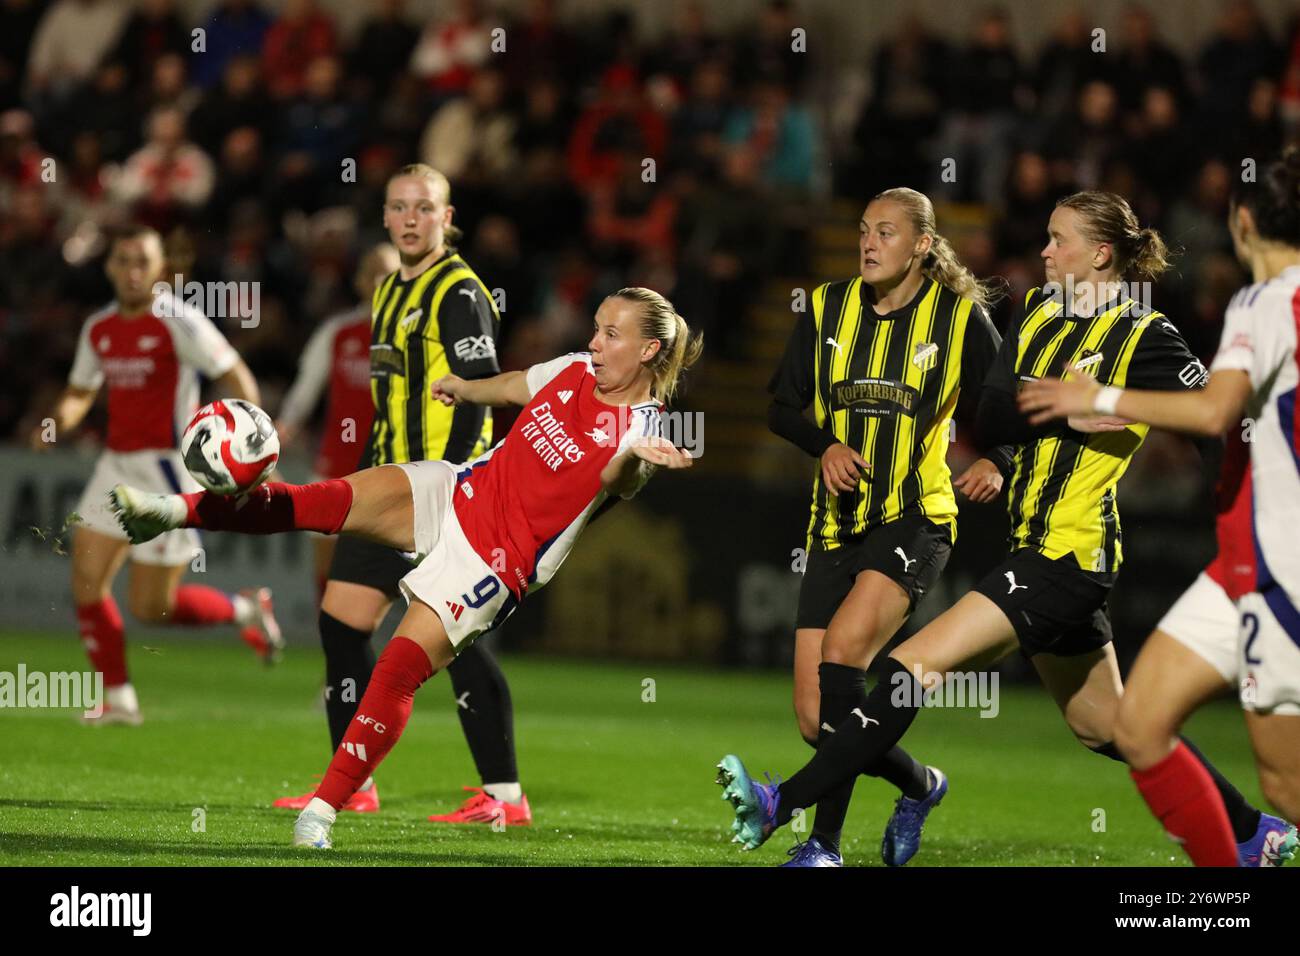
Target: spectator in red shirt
[(299, 36), (619, 122)]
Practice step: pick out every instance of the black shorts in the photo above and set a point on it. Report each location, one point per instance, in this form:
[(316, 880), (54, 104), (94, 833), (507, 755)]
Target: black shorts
[(358, 561), (1055, 607), (911, 551)]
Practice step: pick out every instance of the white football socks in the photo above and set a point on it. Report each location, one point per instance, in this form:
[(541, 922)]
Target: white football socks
[(122, 697), (506, 792), (321, 809)]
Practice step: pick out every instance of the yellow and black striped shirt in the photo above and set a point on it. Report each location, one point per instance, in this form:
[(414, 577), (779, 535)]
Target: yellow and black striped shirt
[(1061, 495), (439, 322), (887, 386)]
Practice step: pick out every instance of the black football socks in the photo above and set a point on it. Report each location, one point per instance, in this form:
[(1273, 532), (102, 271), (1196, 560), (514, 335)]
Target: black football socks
[(861, 739), (349, 659), (486, 713)]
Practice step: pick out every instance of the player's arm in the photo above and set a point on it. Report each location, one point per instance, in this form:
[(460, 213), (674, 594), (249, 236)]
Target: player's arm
[(1166, 391), (508, 388), (69, 410), (78, 396), (983, 480), (997, 419), (625, 473), (1210, 411), (238, 382), (792, 387)]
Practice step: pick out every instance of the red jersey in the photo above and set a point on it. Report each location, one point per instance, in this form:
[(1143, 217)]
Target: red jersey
[(150, 362), (524, 503), (338, 353), (1233, 568)]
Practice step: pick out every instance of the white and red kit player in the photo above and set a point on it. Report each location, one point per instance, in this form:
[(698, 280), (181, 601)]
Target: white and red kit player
[(146, 352), (338, 356), (489, 530), (1238, 625)]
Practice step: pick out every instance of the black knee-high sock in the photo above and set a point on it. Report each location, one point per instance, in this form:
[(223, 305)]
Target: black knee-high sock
[(899, 768), (842, 689), (904, 771), (1243, 817), (349, 659), (860, 740), (486, 713)]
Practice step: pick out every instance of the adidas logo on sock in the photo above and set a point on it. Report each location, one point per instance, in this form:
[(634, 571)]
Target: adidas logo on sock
[(357, 750), (456, 609)]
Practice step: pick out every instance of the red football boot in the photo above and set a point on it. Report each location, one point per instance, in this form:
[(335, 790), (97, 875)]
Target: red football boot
[(363, 801), (483, 808), (262, 632)]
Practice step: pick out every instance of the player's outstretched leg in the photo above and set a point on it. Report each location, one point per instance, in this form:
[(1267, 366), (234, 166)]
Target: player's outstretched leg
[(268, 509), (406, 663)]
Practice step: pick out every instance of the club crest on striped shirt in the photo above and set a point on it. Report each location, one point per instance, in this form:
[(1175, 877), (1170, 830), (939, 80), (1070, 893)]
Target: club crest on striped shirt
[(1088, 358), (926, 355)]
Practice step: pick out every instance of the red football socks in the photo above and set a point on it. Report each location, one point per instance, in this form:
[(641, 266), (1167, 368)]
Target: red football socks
[(321, 506), (198, 605), (381, 716), (104, 639), (1182, 795)]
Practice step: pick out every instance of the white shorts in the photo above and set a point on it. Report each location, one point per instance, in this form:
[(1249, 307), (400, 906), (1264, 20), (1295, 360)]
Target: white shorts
[(451, 578), (1207, 621), (1269, 659), (158, 471), (1243, 641)]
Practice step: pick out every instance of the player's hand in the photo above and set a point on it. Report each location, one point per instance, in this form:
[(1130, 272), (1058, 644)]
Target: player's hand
[(843, 468), (1088, 424), (980, 482), (449, 390), (1045, 399), (661, 452)]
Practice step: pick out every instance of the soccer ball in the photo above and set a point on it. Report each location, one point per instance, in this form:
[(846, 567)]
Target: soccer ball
[(230, 446)]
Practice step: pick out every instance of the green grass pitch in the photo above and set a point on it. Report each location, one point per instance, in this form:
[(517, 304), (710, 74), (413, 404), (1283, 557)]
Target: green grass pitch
[(613, 779)]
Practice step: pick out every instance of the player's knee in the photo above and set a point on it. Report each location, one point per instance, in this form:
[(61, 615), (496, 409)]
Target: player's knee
[(1091, 735), (87, 589), (1142, 741), (149, 610), (843, 647)]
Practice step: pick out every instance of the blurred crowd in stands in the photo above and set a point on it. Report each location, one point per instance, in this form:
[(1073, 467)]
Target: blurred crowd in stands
[(259, 143)]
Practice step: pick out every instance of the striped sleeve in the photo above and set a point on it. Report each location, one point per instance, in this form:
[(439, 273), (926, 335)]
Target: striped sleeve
[(648, 424)]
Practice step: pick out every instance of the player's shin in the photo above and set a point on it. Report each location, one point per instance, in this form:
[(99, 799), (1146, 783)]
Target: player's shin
[(381, 716), (104, 639), (1182, 795), (860, 740), (272, 508), (349, 662)]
